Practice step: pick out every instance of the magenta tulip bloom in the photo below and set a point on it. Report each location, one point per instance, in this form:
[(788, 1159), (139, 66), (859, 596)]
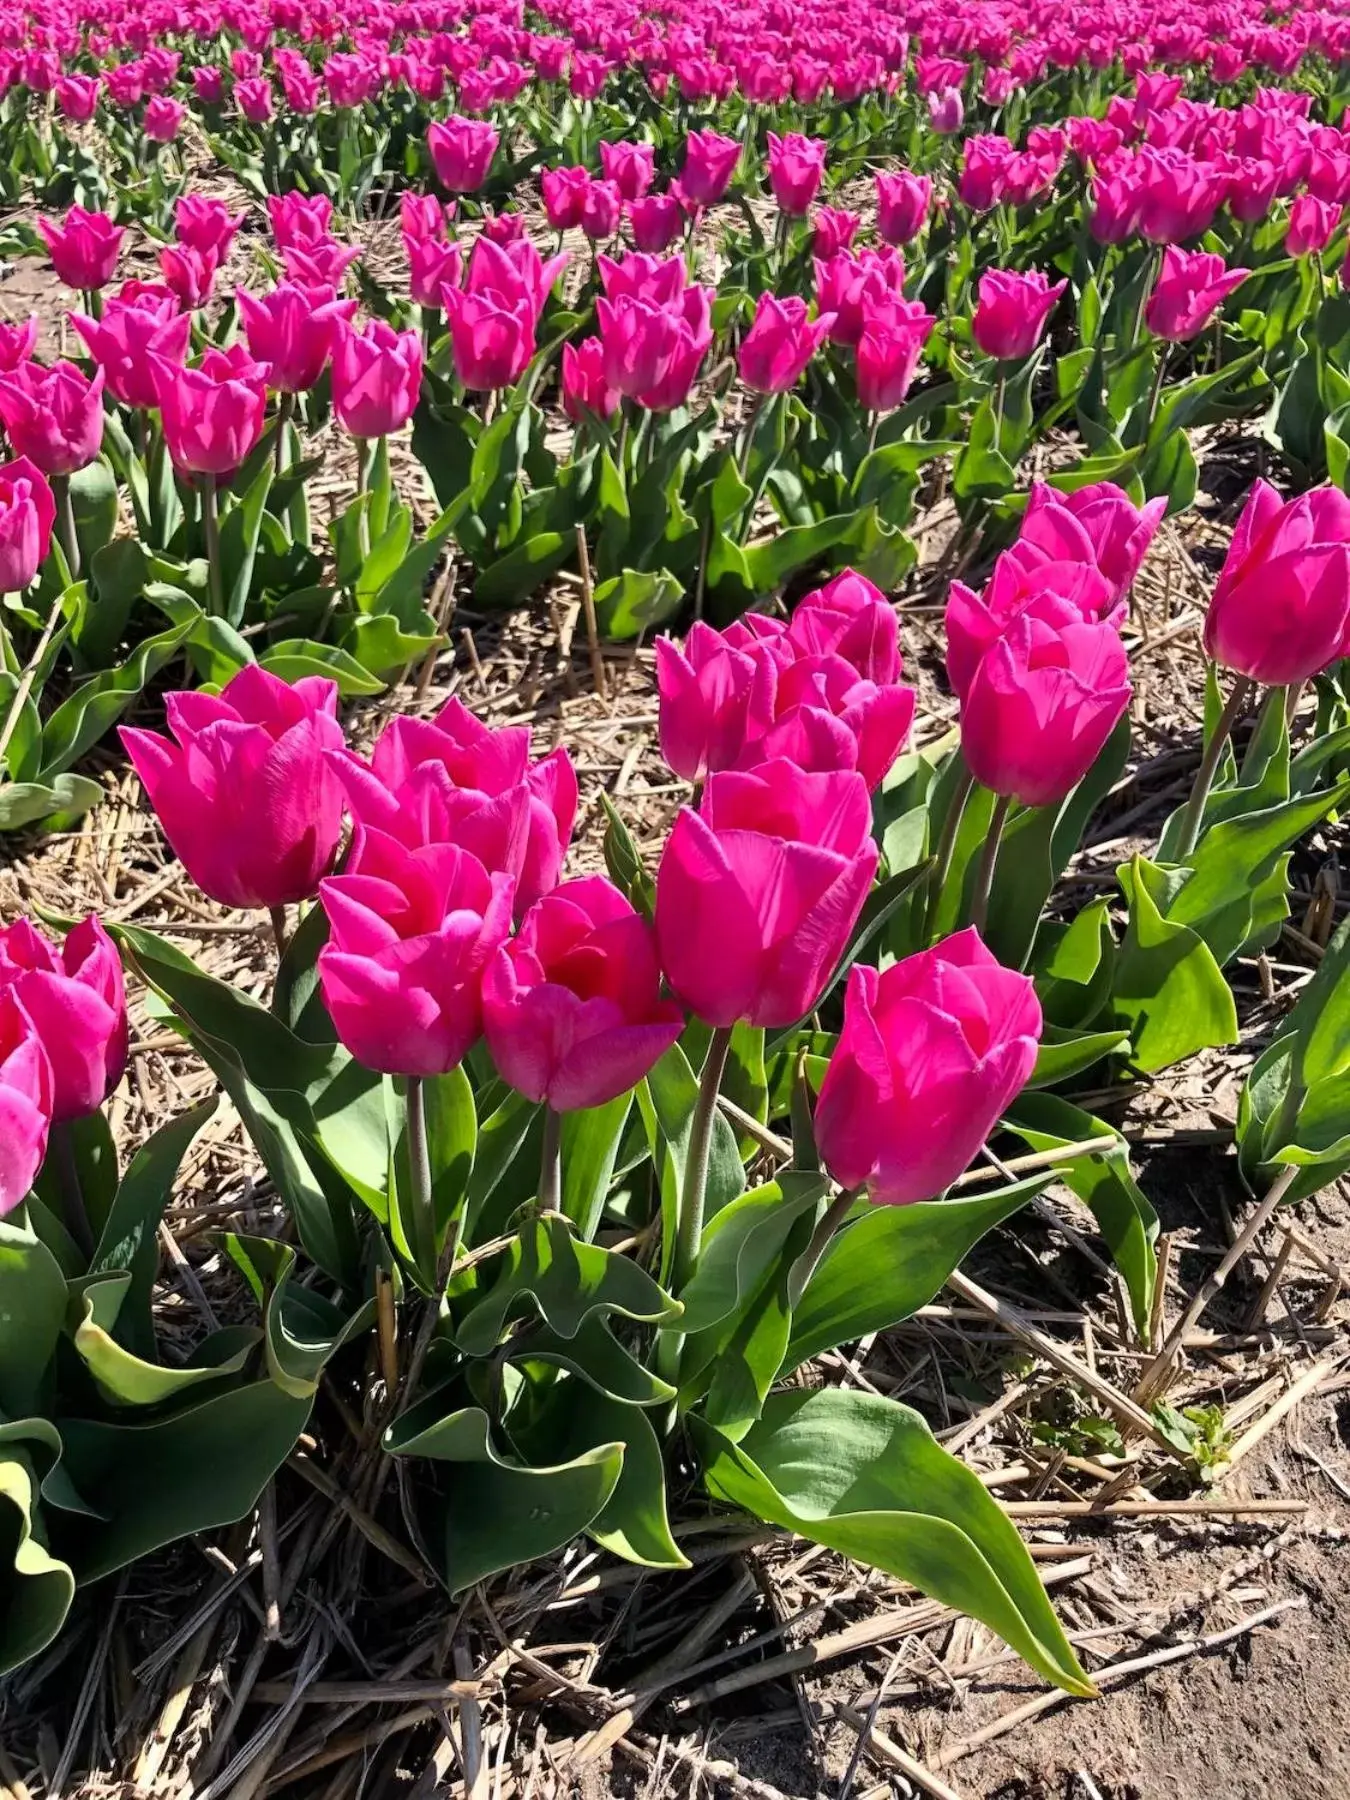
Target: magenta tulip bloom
[(894, 333), (410, 935), (189, 274), (852, 618), (759, 890), (254, 99), (433, 265), (1312, 225), (1097, 524), (1024, 580), (142, 317), (1178, 195), (17, 342), (377, 378), (212, 414), (208, 85), (709, 164), (54, 416), (564, 192), (163, 119), (461, 152), (1013, 311), (653, 353), (631, 167), (245, 794), (947, 111), (931, 1055), (25, 1105), (293, 330), (77, 97), (206, 225), (83, 248), (903, 200), (75, 999), (876, 718), (833, 230), (655, 221), (299, 219), (717, 699), (779, 344), (424, 219), (514, 271), (456, 780), (1040, 706), (1117, 200), (796, 165), (572, 1006), (584, 388), (1281, 609), (659, 280), (1190, 289), (27, 514), (848, 284), (601, 211), (492, 339)]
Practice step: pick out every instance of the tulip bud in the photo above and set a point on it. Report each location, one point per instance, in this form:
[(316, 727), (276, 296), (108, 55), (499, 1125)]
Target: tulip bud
[(796, 164), (461, 151), (847, 284), (54, 416), (631, 167), (584, 388), (833, 230), (656, 221), (903, 200), (25, 1104), (717, 700), (254, 99), (76, 1002), (946, 112), (601, 210), (564, 192), (27, 514), (709, 164), (1312, 225), (1012, 312), (1190, 289), (492, 340), (163, 119), (212, 414), (189, 274), (779, 344), (894, 333), (1098, 524), (83, 248), (377, 378), (206, 225)]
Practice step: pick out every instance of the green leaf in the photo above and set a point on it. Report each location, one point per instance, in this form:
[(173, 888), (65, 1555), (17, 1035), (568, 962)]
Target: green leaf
[(128, 1380), (636, 600), (590, 1148), (741, 1243), (509, 580), (35, 1588), (302, 1329), (668, 1099), (864, 1476), (299, 657), (1169, 992), (25, 803), (79, 722), (93, 500), (595, 1355), (1064, 1054), (240, 530), (32, 1313)]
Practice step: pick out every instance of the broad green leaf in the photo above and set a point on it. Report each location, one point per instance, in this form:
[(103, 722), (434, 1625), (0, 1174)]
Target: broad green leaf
[(1169, 992), (32, 1313), (25, 803), (668, 1099), (240, 530), (302, 1329), (79, 722), (1063, 1054), (36, 1589), (128, 1380), (595, 1354), (300, 657), (741, 1243), (590, 1148)]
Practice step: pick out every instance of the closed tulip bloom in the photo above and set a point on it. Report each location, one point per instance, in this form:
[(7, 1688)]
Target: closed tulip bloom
[(1024, 580), (208, 85), (903, 200), (889, 351), (931, 1055), (453, 779), (492, 339), (461, 152), (1012, 312), (75, 999), (244, 792), (758, 892), (140, 318), (321, 263), (513, 272), (660, 280), (631, 167), (796, 165), (709, 164), (1281, 609), (877, 717), (206, 225), (847, 284), (1252, 192), (1040, 706), (189, 274), (27, 514), (77, 97), (254, 99), (17, 343), (505, 228), (779, 344), (564, 192), (1095, 524), (212, 414), (572, 1006), (423, 218), (652, 353), (1190, 289), (25, 1105), (1179, 196), (946, 112), (163, 119), (833, 230), (54, 416), (1312, 225), (655, 221), (299, 219), (293, 330), (601, 210), (84, 248), (852, 618), (377, 378), (1117, 201), (584, 388), (433, 264), (409, 938), (717, 700)]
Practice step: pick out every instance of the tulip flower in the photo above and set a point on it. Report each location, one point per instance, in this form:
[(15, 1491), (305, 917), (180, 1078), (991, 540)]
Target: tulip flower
[(833, 230), (653, 353), (655, 221), (796, 165), (659, 280), (584, 388), (1189, 291), (984, 171), (254, 99), (1252, 192), (245, 794), (27, 514), (849, 617), (514, 271), (293, 330), (75, 1000), (601, 210), (163, 119), (456, 780), (947, 112), (631, 167), (377, 378), (299, 219), (847, 284), (54, 416), (461, 151), (77, 97), (84, 248), (410, 935), (564, 192), (903, 200), (17, 343), (759, 890), (1040, 706), (25, 1105), (504, 228), (189, 274), (876, 719), (433, 264), (140, 318), (212, 414), (1281, 609), (1312, 225), (894, 333), (1117, 200), (779, 344), (208, 85), (572, 1006), (932, 1053), (424, 219), (491, 339), (1178, 197), (717, 700), (1024, 580), (1096, 524), (709, 164), (206, 225), (323, 262), (1012, 312)]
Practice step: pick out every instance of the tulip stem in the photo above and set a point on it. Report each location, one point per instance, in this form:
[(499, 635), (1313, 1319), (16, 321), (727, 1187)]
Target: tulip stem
[(1000, 398), (1156, 390), (984, 876), (211, 528), (689, 1233), (281, 936), (1209, 763), (946, 849), (65, 524), (872, 433), (73, 1213), (830, 1221), (748, 442), (550, 1163), (284, 410), (419, 1169)]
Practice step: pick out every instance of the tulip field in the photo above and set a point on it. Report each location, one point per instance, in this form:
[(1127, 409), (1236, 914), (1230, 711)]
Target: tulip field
[(674, 976)]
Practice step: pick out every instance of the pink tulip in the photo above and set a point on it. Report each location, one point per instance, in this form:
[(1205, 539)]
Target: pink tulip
[(245, 794), (717, 700), (1117, 200), (492, 340), (1013, 311), (17, 343), (1040, 706), (656, 222), (709, 164), (514, 272), (377, 378), (847, 284), (411, 933), (77, 97), (27, 514), (424, 219), (1189, 291), (25, 1105), (1179, 196), (212, 414), (984, 171), (462, 151), (504, 228), (433, 264), (293, 330), (833, 230), (947, 112), (849, 617), (758, 891), (931, 1055), (601, 211), (54, 416), (189, 274), (206, 225), (796, 165), (139, 318), (653, 353), (564, 192), (254, 99), (1025, 580), (1095, 524), (208, 85), (584, 388), (1252, 192), (76, 1002), (321, 263), (779, 344), (903, 200), (659, 280), (631, 167), (455, 780), (299, 219), (163, 119), (894, 333), (571, 1005), (876, 719), (83, 248), (1312, 225), (1281, 609)]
